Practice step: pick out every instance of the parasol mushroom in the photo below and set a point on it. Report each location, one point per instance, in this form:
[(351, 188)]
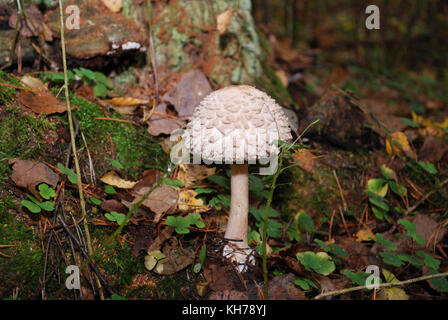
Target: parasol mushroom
[(237, 125)]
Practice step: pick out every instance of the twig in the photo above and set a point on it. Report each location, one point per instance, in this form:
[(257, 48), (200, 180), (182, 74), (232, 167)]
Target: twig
[(343, 221), (382, 285), (86, 255), (73, 142), (340, 190), (426, 196)]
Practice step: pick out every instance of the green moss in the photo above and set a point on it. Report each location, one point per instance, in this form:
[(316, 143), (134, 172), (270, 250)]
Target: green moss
[(25, 267), (21, 136), (7, 94), (134, 146)]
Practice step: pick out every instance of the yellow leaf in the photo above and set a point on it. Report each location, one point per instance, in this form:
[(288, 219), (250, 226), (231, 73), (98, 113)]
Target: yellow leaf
[(113, 5), (223, 20), (126, 101), (400, 145), (187, 202), (193, 174), (112, 179), (363, 235)]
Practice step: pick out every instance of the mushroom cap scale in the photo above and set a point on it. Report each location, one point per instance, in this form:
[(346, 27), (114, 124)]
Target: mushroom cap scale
[(236, 124)]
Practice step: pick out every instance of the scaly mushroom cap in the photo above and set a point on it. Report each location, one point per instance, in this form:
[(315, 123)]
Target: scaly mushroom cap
[(236, 124)]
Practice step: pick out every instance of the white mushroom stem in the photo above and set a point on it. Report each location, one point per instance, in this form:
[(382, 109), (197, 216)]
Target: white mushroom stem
[(236, 232)]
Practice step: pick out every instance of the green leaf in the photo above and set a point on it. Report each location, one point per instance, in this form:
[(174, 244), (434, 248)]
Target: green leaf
[(110, 190), (220, 181), (116, 297), (110, 217), (417, 107), (379, 213), (322, 244), (399, 189), (46, 192), (197, 267), (194, 218), (391, 258), (319, 262), (255, 183), (173, 183), (338, 250), (410, 228), (377, 200), (411, 123), (204, 190), (101, 78), (180, 224), (95, 201), (305, 222), (34, 208), (430, 261), (100, 90), (387, 172), (47, 206), (385, 243), (72, 177), (202, 254), (85, 73), (115, 163), (428, 167), (358, 278), (302, 283), (441, 284), (275, 228), (378, 186)]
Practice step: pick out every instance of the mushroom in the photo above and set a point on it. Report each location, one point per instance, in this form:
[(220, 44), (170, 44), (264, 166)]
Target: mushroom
[(237, 125)]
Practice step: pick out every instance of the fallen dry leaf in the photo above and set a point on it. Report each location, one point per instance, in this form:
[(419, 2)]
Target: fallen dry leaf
[(364, 234), (33, 82), (43, 101), (126, 101), (400, 145), (223, 20), (29, 174), (283, 288), (189, 203), (186, 95), (111, 178), (161, 200), (175, 258), (433, 149), (305, 159), (192, 174), (162, 123), (34, 24), (112, 205), (282, 76), (113, 5)]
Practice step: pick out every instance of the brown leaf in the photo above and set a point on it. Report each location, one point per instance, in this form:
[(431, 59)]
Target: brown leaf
[(34, 19), (283, 288), (43, 101), (177, 258), (192, 174), (112, 205), (433, 149), (163, 123), (186, 95), (29, 174), (161, 200), (305, 159)]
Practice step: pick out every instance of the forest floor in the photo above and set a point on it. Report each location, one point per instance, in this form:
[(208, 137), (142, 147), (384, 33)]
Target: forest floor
[(366, 190)]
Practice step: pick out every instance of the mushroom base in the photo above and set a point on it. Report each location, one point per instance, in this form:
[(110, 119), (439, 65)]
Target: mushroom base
[(241, 256)]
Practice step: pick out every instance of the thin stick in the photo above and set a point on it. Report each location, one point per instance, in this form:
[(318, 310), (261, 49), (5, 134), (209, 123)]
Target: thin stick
[(73, 142), (340, 190), (419, 202), (382, 285)]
